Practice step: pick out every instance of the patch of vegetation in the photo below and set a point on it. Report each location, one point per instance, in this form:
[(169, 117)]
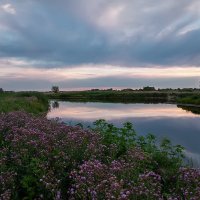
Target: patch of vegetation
[(189, 99), (130, 96), (111, 96), (32, 102), (45, 159)]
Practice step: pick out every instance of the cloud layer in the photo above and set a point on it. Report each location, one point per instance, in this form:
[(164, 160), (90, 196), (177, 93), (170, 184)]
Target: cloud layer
[(113, 32), (128, 34)]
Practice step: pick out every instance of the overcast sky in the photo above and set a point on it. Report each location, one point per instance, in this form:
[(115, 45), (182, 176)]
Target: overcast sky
[(81, 44)]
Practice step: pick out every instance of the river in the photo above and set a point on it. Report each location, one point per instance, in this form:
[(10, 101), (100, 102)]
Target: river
[(163, 120)]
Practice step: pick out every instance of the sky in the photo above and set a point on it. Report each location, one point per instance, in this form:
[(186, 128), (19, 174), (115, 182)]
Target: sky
[(84, 44)]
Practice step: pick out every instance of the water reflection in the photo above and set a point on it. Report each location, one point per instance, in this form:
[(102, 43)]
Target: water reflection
[(163, 120), (108, 111), (55, 104), (193, 159), (194, 110)]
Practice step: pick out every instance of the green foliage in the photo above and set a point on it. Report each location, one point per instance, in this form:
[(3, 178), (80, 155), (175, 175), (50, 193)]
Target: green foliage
[(189, 99), (32, 102), (123, 137), (111, 96), (168, 158)]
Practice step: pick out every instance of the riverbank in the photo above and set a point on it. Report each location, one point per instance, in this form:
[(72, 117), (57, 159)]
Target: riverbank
[(115, 96), (110, 96), (31, 102), (38, 102), (192, 99), (186, 99)]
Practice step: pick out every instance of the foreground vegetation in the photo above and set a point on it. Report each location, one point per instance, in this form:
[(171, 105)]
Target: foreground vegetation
[(32, 102), (46, 159)]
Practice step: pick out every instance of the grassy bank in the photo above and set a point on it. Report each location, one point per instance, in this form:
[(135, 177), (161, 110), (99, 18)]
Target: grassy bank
[(111, 96), (43, 159), (32, 102), (171, 96), (189, 99)]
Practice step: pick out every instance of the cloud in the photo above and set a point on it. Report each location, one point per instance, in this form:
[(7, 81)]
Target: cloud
[(15, 69), (25, 83), (72, 34), (18, 75), (8, 8), (129, 33)]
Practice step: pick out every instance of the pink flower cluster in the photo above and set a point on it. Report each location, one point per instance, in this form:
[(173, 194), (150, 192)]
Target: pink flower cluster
[(40, 153), (46, 159), (116, 180)]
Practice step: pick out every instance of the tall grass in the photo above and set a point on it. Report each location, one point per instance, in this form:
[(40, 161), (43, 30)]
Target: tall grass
[(32, 102)]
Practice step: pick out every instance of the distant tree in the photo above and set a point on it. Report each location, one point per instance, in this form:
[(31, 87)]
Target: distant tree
[(55, 89), (94, 89), (1, 90), (127, 90), (148, 88)]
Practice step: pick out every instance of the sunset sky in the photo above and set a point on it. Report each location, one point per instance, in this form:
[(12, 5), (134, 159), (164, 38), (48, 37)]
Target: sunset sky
[(82, 44)]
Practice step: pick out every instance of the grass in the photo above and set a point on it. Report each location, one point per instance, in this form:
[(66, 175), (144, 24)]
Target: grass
[(31, 102)]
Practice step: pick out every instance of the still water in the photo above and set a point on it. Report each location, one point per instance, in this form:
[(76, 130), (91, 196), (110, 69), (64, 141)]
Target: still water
[(163, 120)]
